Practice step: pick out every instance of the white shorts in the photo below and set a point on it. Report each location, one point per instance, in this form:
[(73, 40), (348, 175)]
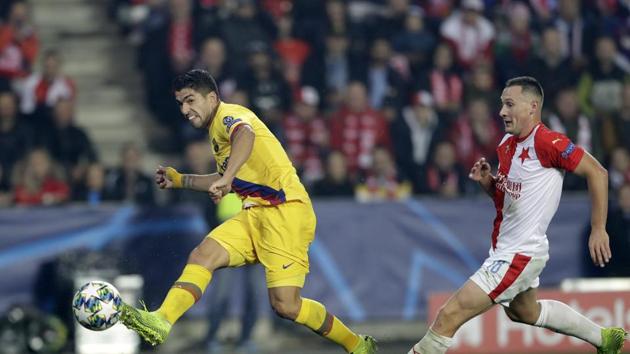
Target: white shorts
[(502, 280)]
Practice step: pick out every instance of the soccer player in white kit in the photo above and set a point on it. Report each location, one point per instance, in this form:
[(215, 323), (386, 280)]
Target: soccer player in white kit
[(526, 191)]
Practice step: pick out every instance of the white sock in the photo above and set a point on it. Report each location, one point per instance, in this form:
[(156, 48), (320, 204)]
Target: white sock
[(432, 343), (560, 317)]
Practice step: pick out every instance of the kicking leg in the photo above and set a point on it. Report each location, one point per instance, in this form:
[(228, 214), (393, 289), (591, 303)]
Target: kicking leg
[(561, 318), (287, 303), (468, 302), (186, 291), (191, 285)]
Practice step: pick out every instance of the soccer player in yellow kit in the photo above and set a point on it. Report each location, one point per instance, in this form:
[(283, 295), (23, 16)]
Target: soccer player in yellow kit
[(275, 227)]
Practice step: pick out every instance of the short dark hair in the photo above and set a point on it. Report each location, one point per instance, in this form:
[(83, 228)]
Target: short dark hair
[(527, 84), (196, 79)]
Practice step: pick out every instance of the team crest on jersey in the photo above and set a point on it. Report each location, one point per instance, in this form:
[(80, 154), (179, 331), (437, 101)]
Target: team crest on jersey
[(229, 121), (568, 151)]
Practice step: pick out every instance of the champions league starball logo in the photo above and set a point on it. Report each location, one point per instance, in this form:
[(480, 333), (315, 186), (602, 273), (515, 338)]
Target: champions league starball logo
[(229, 121)]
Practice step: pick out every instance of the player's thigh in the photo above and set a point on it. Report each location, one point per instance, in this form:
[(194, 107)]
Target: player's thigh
[(282, 242), (505, 278), (524, 307), (467, 302), (235, 237)]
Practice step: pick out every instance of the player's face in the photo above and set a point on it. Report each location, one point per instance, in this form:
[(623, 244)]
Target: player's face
[(517, 110), (196, 107)]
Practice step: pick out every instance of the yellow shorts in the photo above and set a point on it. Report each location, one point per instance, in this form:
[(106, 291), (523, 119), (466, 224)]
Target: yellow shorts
[(276, 236)]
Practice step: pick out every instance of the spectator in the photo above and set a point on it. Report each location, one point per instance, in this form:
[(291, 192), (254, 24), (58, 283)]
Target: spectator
[(213, 59), (269, 94), (619, 170), (416, 132), (293, 52), (330, 70), (357, 128), (383, 80), (415, 41), (18, 43), (444, 175), (338, 20), (16, 138), (392, 19), (91, 189), (337, 182), (127, 182), (42, 90), (444, 83), (69, 144), (309, 18), (601, 86), (39, 181), (382, 181), (515, 45), (618, 227), (570, 121), (168, 48), (481, 85), (476, 134), (621, 125), (471, 34), (181, 41), (246, 26), (576, 32), (551, 68), (306, 136)]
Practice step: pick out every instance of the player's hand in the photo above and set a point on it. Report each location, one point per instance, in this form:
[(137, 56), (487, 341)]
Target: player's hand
[(480, 170), (165, 177), (599, 247), (220, 188)]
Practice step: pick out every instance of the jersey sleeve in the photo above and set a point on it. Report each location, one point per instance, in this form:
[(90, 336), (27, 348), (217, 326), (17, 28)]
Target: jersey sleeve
[(230, 125), (555, 150)]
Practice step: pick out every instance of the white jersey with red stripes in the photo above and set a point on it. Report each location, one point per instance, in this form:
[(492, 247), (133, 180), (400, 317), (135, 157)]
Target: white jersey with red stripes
[(528, 187)]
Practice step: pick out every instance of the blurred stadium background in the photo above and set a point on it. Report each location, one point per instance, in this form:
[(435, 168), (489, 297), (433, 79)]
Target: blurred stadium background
[(383, 105)]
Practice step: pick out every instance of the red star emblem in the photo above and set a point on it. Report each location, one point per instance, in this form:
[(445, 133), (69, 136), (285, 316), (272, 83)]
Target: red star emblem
[(524, 155)]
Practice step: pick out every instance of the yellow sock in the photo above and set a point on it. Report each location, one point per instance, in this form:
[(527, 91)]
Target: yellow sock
[(185, 292), (314, 316)]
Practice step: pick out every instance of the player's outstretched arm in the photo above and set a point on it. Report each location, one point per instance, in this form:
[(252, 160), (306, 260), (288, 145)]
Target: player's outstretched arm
[(241, 148), (480, 172), (169, 178), (597, 178)]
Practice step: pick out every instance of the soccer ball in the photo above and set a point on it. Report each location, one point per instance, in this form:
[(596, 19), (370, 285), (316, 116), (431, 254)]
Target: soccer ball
[(97, 305)]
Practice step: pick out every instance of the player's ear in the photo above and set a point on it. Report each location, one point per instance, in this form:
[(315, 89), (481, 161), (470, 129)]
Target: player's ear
[(212, 95), (534, 107)]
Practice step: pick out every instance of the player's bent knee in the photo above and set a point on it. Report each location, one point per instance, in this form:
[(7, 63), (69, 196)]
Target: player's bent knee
[(447, 320), (521, 314), (511, 314), (285, 308)]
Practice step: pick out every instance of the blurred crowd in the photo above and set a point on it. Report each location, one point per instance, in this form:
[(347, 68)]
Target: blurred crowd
[(383, 99), (376, 99)]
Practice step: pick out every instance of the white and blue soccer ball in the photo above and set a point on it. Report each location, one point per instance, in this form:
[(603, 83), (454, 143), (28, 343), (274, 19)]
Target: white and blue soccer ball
[(97, 305)]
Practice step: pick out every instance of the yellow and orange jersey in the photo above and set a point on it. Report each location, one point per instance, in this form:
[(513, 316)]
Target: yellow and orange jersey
[(268, 177)]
